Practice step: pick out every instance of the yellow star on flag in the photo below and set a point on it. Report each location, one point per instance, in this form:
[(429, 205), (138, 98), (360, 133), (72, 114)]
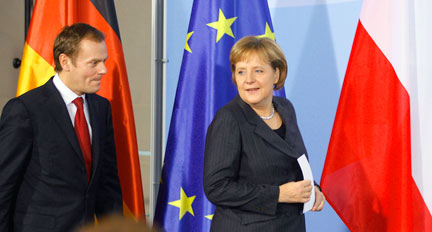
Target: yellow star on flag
[(223, 26), (184, 204), (187, 48), (268, 33), (210, 217)]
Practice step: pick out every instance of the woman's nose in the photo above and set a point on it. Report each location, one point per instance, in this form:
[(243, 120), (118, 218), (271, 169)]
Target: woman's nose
[(250, 78)]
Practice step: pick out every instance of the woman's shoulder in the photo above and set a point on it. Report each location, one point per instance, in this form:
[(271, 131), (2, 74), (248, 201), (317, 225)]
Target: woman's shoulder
[(226, 118), (229, 110), (282, 101)]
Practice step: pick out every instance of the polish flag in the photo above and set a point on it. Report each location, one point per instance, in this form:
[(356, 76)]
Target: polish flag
[(378, 170)]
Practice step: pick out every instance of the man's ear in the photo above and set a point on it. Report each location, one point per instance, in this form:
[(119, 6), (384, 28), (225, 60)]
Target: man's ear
[(65, 62)]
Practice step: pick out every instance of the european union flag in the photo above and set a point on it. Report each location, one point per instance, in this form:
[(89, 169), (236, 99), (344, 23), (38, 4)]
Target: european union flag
[(204, 86)]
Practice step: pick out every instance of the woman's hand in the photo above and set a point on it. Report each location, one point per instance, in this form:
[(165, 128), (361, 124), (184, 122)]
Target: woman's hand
[(319, 200), (295, 192)]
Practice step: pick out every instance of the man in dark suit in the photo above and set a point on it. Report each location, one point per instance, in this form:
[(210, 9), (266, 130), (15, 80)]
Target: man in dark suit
[(58, 163)]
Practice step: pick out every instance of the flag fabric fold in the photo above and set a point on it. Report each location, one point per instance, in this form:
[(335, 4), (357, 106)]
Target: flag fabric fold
[(205, 85), (376, 175), (48, 18)]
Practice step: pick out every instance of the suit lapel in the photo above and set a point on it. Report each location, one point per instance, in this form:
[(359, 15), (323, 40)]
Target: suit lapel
[(93, 113), (290, 124), (265, 132), (59, 113)]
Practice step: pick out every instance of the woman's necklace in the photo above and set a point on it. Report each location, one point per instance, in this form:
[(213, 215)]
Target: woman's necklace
[(268, 117)]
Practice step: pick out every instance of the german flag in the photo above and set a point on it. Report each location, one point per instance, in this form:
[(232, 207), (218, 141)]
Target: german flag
[(49, 17)]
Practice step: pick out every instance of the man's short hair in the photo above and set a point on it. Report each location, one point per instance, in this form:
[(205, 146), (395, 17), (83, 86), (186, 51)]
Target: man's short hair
[(68, 40)]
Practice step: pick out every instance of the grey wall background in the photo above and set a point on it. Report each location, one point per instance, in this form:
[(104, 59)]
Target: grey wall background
[(11, 46)]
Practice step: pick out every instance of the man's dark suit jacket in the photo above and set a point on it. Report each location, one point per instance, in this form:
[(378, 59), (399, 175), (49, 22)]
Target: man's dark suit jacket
[(245, 162), (43, 182)]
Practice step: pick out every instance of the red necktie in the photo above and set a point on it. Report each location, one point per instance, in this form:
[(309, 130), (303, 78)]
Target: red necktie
[(82, 131)]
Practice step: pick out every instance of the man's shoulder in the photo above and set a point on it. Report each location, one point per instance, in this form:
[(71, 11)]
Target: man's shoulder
[(31, 101), (36, 94)]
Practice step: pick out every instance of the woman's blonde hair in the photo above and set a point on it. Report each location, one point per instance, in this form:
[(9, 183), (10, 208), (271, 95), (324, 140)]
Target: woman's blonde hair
[(267, 49)]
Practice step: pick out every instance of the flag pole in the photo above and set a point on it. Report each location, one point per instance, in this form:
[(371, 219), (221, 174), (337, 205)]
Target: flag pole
[(28, 9), (157, 108)]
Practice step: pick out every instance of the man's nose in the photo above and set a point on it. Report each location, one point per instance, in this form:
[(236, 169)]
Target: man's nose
[(102, 69)]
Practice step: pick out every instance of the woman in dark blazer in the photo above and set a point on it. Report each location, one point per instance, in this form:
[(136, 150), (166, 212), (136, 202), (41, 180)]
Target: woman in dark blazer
[(251, 171)]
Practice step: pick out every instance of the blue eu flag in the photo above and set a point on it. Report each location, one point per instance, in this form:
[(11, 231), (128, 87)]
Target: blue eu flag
[(204, 86)]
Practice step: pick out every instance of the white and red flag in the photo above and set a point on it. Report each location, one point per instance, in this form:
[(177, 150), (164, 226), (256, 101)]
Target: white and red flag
[(378, 170)]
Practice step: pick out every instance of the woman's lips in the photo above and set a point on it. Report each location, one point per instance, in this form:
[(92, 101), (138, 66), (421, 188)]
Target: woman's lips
[(251, 90)]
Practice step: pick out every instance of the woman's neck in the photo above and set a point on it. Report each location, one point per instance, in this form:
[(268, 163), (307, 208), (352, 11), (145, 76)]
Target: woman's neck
[(263, 110)]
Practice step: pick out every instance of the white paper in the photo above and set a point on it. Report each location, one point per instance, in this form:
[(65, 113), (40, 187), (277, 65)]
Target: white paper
[(307, 175)]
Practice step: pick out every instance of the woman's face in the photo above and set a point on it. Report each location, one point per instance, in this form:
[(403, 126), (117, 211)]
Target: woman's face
[(255, 80)]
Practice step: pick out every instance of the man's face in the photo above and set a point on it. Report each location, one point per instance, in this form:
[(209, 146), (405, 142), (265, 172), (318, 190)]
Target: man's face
[(86, 71)]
